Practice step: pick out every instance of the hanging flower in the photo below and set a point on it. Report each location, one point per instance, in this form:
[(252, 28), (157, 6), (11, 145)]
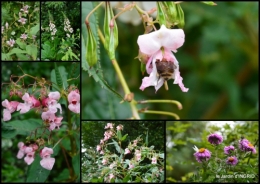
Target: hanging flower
[(162, 64), (74, 101), (47, 162)]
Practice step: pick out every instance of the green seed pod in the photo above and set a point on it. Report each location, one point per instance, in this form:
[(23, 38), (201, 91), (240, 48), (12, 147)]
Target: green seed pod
[(180, 16), (161, 17), (110, 32), (91, 54)]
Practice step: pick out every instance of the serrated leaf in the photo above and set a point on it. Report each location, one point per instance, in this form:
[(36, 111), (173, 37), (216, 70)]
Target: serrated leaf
[(36, 173), (59, 77), (8, 131)]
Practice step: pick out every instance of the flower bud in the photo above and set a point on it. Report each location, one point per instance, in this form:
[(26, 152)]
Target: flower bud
[(161, 15), (110, 31)]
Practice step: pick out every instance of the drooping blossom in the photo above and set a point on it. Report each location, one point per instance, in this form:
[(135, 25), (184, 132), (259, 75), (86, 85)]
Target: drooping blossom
[(23, 36), (10, 107), (56, 123), (52, 120), (29, 102), (29, 157), (74, 101), (127, 151), (159, 45), (21, 151), (215, 139), (52, 102), (11, 42), (154, 160), (229, 149), (119, 127), (47, 162), (245, 145), (22, 20), (202, 154), (232, 160), (98, 147)]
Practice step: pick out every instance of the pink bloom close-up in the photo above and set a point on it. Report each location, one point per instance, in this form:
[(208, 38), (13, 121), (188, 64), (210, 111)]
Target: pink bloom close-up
[(29, 158), (56, 123), (131, 166), (21, 151), (74, 101), (22, 20), (29, 102), (104, 161), (127, 151), (119, 127), (109, 125), (154, 160), (23, 36), (47, 162), (10, 107), (159, 45), (98, 147)]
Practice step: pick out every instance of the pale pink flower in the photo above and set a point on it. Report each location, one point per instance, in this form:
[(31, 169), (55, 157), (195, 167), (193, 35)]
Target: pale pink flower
[(22, 20), (29, 157), (74, 101), (111, 175), (102, 141), (154, 160), (51, 102), (127, 151), (102, 152), (131, 166), (109, 125), (159, 46), (138, 155), (104, 161), (56, 123), (119, 127), (25, 9), (98, 147), (48, 116), (29, 102), (11, 42), (10, 107), (23, 36), (111, 166), (135, 142), (47, 162), (21, 151)]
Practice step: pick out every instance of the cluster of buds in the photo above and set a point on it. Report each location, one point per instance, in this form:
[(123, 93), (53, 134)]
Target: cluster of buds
[(67, 27), (52, 29)]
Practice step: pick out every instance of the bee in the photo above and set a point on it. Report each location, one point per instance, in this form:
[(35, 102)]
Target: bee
[(165, 68)]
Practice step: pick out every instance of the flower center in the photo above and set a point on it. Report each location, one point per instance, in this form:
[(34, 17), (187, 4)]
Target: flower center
[(201, 150), (74, 102), (231, 159)]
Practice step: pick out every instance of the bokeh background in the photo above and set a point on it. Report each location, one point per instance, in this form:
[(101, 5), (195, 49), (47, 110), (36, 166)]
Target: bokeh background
[(181, 165), (218, 63)]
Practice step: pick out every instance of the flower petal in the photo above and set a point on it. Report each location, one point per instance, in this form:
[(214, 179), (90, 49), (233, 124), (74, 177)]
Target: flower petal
[(47, 163)]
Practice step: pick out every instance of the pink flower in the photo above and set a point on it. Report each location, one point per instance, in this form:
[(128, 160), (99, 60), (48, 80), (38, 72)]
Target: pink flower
[(10, 107), (22, 20), (21, 151), (135, 142), (111, 175), (102, 152), (98, 147), (51, 102), (48, 116), (56, 123), (47, 162), (74, 101), (29, 102), (23, 36), (25, 9), (119, 127), (131, 166), (29, 157), (127, 151), (104, 161), (54, 95), (138, 155), (109, 125), (154, 160), (158, 45), (11, 42)]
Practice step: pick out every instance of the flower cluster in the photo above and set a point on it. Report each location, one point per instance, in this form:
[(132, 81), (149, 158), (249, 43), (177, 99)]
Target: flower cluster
[(23, 12), (11, 42), (52, 29), (216, 139), (162, 64), (67, 27), (29, 150)]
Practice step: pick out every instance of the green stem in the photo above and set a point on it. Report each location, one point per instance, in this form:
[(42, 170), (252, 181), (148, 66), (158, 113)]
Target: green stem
[(92, 11), (121, 79), (160, 112), (161, 101)]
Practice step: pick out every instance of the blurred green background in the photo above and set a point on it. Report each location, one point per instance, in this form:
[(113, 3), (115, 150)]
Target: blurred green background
[(218, 63), (182, 136)]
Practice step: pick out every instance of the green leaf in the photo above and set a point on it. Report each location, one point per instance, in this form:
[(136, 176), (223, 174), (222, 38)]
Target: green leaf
[(211, 3), (20, 127), (59, 77), (34, 30), (76, 164), (118, 149), (124, 137), (32, 51), (16, 50), (126, 178), (146, 139), (36, 173), (63, 175), (119, 135), (21, 44), (47, 52)]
